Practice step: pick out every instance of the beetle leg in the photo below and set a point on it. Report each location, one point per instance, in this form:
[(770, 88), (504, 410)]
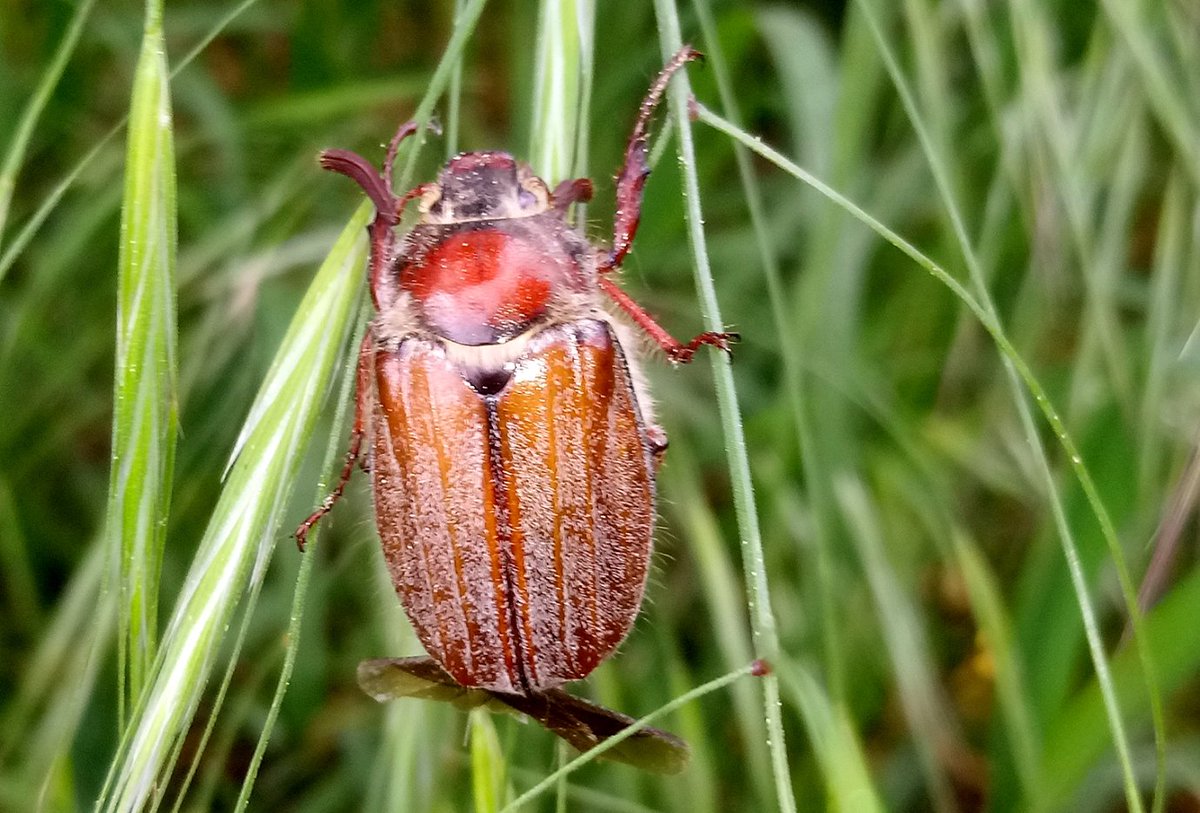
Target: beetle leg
[(677, 351), (366, 357), (634, 172)]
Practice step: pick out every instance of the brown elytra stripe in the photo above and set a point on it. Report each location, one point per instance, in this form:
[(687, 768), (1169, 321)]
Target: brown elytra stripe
[(510, 543)]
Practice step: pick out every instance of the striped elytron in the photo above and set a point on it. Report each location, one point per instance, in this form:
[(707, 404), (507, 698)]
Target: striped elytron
[(509, 435)]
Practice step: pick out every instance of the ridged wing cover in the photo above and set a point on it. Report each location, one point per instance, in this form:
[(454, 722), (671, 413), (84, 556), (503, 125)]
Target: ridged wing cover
[(517, 526)]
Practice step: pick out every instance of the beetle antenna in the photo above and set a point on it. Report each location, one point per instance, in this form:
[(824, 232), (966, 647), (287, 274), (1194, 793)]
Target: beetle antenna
[(359, 170)]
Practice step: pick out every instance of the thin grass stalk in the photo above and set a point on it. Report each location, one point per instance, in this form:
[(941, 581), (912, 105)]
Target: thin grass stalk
[(762, 618), (145, 404), (344, 402), (999, 337), (454, 97), (19, 146), (725, 599), (1128, 591), (835, 745), (788, 340)]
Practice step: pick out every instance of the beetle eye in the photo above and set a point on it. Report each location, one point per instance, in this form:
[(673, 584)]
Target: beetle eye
[(526, 198)]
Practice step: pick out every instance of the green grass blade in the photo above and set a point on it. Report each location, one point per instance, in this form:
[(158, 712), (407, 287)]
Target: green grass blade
[(762, 618), (487, 762), (1095, 645), (562, 86), (245, 523), (145, 402)]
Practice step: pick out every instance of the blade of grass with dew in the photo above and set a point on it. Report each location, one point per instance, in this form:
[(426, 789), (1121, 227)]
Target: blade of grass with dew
[(848, 785), (766, 639), (19, 145), (244, 525), (590, 755), (1007, 350), (145, 404), (792, 376), (724, 597), (1087, 611)]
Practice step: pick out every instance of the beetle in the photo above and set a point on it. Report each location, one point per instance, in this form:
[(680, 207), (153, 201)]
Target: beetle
[(509, 434)]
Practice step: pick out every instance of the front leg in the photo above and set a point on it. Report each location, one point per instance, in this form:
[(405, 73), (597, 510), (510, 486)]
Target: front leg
[(632, 178)]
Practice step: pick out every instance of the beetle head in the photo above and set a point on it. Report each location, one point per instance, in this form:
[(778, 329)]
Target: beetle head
[(484, 186)]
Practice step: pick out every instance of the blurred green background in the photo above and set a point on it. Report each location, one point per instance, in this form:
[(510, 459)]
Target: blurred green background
[(916, 508)]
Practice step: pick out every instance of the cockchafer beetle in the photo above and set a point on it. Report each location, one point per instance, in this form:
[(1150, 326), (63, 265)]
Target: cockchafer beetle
[(509, 434)]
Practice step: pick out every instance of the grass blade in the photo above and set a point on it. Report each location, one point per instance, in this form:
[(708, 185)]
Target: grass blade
[(144, 394), (762, 618), (245, 523)]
